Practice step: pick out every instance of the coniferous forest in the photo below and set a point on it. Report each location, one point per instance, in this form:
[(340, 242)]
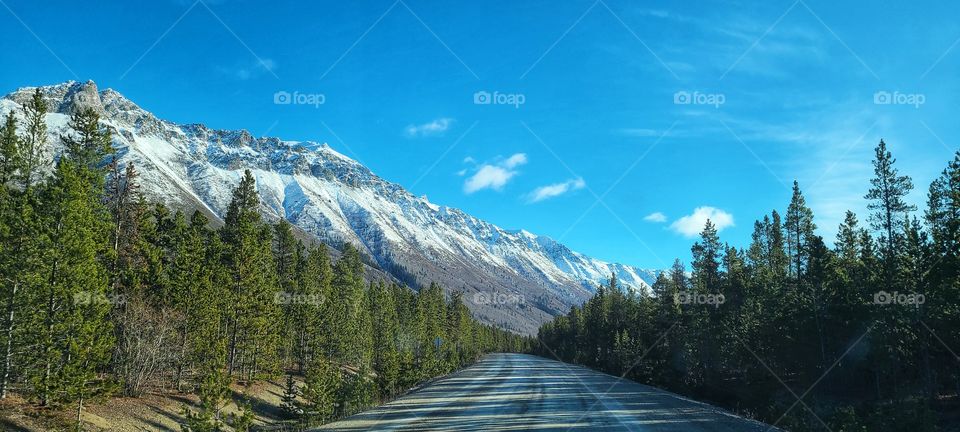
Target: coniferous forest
[(804, 336), (105, 294)]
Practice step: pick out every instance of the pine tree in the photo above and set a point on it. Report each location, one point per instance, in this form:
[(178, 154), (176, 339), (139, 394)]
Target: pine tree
[(886, 196), (323, 384), (288, 401), (31, 158), (213, 389), (386, 356), (706, 280), (357, 392), (21, 262), (315, 324), (460, 337), (9, 150), (349, 341), (128, 210), (254, 332), (75, 335), (799, 227), (287, 252)]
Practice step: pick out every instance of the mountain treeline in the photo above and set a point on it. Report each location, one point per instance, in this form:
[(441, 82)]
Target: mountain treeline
[(104, 293), (860, 336)]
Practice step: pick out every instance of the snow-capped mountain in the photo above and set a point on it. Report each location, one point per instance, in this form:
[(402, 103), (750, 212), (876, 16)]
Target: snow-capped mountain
[(335, 199)]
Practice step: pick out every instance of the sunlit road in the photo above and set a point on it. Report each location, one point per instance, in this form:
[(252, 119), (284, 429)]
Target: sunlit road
[(522, 392)]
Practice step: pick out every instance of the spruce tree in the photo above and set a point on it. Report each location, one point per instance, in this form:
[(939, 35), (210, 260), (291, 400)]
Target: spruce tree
[(75, 335), (348, 309), (799, 227), (253, 319), (22, 234), (886, 195), (323, 383), (9, 151), (315, 325), (287, 253), (386, 356)]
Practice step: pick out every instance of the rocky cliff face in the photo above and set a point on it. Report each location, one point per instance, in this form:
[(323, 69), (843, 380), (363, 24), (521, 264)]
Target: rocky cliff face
[(511, 278)]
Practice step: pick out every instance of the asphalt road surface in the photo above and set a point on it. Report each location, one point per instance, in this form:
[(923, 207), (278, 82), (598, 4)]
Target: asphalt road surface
[(507, 392)]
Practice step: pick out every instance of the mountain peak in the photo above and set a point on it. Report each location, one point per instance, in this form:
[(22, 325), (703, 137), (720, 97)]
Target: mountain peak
[(63, 98), (337, 200)]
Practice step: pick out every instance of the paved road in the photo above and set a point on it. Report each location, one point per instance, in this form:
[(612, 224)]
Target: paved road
[(504, 392)]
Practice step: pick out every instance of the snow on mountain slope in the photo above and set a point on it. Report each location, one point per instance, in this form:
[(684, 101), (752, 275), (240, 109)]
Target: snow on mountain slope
[(338, 200)]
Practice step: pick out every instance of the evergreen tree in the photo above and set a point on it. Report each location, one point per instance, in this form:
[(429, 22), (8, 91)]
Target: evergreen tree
[(74, 333), (9, 151), (254, 333), (347, 309), (322, 386), (886, 196), (21, 231), (799, 227), (287, 253), (213, 390), (386, 356), (288, 401), (314, 322)]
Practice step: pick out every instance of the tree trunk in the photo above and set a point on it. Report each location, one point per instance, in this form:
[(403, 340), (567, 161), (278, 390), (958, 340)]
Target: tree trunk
[(8, 351), (182, 360), (80, 413)]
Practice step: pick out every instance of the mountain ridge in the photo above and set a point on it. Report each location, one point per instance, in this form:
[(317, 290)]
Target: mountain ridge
[(336, 199)]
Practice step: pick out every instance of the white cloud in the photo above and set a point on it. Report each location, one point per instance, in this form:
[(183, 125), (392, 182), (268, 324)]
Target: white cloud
[(515, 160), (494, 175), (691, 225), (554, 190), (435, 127), (646, 132), (656, 217), (249, 71)]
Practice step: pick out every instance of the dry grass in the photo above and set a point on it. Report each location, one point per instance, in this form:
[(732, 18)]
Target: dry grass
[(152, 412)]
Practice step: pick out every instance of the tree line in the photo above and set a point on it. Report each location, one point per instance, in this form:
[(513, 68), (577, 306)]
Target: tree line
[(104, 293), (860, 336)]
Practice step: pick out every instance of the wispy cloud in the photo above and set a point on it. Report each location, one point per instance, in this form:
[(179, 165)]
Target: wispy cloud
[(554, 190), (245, 72), (494, 175), (642, 132), (655, 217), (836, 141), (692, 224), (435, 127)]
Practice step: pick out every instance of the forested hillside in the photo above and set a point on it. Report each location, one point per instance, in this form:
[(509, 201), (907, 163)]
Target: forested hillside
[(857, 337), (105, 294)]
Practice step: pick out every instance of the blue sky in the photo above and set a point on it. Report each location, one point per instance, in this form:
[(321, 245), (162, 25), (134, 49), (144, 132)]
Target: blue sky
[(613, 126)]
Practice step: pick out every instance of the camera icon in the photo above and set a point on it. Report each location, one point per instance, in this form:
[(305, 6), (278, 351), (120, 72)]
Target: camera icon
[(282, 98), (882, 298), (882, 98), (482, 98), (682, 98)]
